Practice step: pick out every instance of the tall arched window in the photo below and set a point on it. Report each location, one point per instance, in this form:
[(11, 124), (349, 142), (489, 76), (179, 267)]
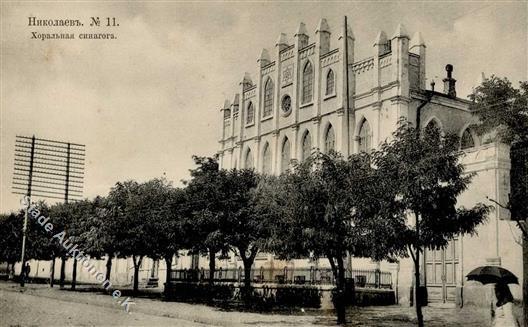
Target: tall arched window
[(268, 98), (285, 155), (266, 159), (433, 127), (329, 139), (307, 80), (467, 141), (330, 82), (249, 160), (306, 146), (364, 140), (250, 114)]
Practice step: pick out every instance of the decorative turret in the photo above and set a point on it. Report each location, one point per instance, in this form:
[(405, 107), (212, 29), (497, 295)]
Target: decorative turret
[(301, 36), (350, 42), (416, 43), (417, 46), (236, 102), (400, 59), (322, 34), (381, 45), (264, 58), (400, 32), (226, 110), (282, 42), (246, 81)]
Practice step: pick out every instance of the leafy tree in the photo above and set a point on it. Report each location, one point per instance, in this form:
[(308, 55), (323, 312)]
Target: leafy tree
[(100, 236), (37, 242), (330, 207), (10, 239), (425, 176), (246, 218), (207, 204), (61, 217), (80, 212), (167, 224), (132, 206), (504, 109)]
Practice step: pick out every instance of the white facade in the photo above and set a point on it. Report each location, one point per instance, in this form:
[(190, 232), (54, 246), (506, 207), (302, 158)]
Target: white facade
[(359, 113)]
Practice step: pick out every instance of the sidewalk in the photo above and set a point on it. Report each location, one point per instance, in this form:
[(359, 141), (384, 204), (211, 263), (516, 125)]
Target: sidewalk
[(172, 313)]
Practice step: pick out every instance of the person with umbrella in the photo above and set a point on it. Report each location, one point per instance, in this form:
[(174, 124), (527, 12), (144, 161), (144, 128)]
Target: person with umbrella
[(501, 278)]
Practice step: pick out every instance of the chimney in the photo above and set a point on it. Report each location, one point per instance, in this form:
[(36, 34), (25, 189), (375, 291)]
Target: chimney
[(449, 82)]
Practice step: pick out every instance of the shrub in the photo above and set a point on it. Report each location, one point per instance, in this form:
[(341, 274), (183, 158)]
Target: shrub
[(197, 292)]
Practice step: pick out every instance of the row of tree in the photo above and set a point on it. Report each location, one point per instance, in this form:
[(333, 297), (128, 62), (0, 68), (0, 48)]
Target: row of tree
[(390, 203)]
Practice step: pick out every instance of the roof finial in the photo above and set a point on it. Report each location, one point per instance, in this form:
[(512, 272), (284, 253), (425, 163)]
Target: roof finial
[(322, 26), (400, 32)]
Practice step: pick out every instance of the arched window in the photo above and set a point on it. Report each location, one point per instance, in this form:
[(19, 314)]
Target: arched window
[(433, 124), (467, 141), (330, 82), (268, 98), (329, 139), (249, 160), (307, 80), (266, 159), (285, 155), (433, 127), (364, 140), (250, 115), (306, 146)]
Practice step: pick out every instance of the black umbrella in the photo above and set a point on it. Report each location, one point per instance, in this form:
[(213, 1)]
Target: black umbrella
[(492, 275)]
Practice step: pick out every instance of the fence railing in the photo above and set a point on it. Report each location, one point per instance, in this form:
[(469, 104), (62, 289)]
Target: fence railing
[(367, 278)]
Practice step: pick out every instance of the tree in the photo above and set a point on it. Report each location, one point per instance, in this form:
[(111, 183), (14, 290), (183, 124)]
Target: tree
[(247, 217), (206, 205), (167, 225), (100, 236), (328, 207), (10, 239), (502, 108), (38, 244), (425, 177), (133, 206), (80, 212), (61, 217)]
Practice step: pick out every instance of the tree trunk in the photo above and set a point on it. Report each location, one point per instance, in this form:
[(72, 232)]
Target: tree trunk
[(338, 295), (74, 274), (137, 264), (417, 298), (212, 265), (525, 280), (247, 273), (52, 272), (108, 266), (168, 271), (340, 300), (62, 272)]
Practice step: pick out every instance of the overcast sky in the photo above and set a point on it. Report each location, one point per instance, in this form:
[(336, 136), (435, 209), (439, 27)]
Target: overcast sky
[(144, 103)]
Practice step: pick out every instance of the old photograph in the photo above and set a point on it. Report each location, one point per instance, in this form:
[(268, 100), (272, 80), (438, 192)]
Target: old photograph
[(264, 163)]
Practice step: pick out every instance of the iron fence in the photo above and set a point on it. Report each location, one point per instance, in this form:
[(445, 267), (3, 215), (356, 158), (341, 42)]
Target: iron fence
[(363, 278)]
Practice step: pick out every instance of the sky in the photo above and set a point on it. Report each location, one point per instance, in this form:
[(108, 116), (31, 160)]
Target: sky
[(145, 102)]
